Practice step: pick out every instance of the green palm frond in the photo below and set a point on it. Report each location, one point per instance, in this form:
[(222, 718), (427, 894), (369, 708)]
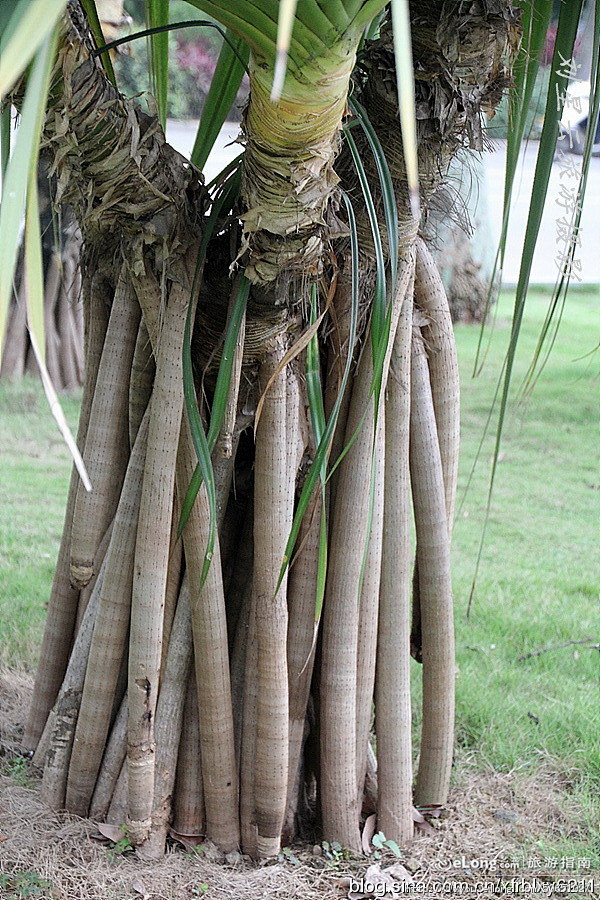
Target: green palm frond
[(221, 95), (21, 171), (551, 323), (560, 74), (91, 12), (24, 27), (406, 97), (157, 15)]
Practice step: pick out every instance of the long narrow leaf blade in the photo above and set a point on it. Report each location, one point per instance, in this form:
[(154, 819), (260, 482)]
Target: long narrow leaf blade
[(5, 137), (157, 14), (34, 277), (572, 236), (379, 299), (406, 97), (59, 416), (314, 473), (565, 41), (22, 33), (387, 188), (536, 19), (199, 440), (313, 376), (21, 164), (224, 200), (221, 95), (316, 407), (563, 50), (91, 13), (34, 271), (285, 25), (224, 376)]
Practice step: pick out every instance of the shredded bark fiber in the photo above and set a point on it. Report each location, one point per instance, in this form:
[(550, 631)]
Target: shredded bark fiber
[(57, 853)]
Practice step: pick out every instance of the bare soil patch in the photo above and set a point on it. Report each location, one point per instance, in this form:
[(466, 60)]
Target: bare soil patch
[(496, 826)]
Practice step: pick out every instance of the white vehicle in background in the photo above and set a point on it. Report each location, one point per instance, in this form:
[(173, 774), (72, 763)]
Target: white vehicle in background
[(575, 120)]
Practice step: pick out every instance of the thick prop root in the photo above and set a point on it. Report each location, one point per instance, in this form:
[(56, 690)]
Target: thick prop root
[(301, 644), (188, 800), (62, 606), (349, 542), (273, 509), (435, 588), (107, 442), (109, 639), (62, 721), (209, 626), (169, 718), (152, 562), (392, 686), (438, 335)]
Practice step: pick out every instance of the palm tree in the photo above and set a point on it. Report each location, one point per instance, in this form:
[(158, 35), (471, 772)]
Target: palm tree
[(270, 374)]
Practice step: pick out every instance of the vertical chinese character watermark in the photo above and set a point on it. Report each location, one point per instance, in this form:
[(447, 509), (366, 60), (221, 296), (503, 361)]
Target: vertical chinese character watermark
[(568, 232)]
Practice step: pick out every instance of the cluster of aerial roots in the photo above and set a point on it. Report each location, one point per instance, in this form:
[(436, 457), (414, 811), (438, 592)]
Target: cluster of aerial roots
[(218, 709)]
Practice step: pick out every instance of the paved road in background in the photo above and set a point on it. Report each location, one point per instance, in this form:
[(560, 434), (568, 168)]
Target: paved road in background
[(181, 136)]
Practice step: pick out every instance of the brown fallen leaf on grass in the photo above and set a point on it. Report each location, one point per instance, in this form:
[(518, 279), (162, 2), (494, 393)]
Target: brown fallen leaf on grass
[(189, 841), (3, 837), (197, 843), (421, 822), (112, 833)]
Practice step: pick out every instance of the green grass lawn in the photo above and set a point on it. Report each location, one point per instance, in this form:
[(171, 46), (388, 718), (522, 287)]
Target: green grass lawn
[(34, 477), (539, 579)]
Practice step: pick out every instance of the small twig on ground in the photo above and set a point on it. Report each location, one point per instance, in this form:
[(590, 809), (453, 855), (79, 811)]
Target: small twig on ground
[(589, 641)]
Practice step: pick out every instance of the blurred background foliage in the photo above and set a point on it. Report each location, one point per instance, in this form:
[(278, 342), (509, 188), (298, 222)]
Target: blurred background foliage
[(193, 54)]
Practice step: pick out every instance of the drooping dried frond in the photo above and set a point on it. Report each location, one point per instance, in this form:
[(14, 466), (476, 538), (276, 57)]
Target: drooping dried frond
[(112, 162)]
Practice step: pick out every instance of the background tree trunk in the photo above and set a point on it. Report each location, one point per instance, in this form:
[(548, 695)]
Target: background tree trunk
[(460, 237), (63, 308)]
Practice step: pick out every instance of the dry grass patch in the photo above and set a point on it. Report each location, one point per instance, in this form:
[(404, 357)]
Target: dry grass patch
[(491, 817)]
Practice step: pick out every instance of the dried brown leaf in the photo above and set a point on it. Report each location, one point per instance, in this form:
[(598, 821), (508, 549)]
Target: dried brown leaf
[(112, 833), (189, 841)]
